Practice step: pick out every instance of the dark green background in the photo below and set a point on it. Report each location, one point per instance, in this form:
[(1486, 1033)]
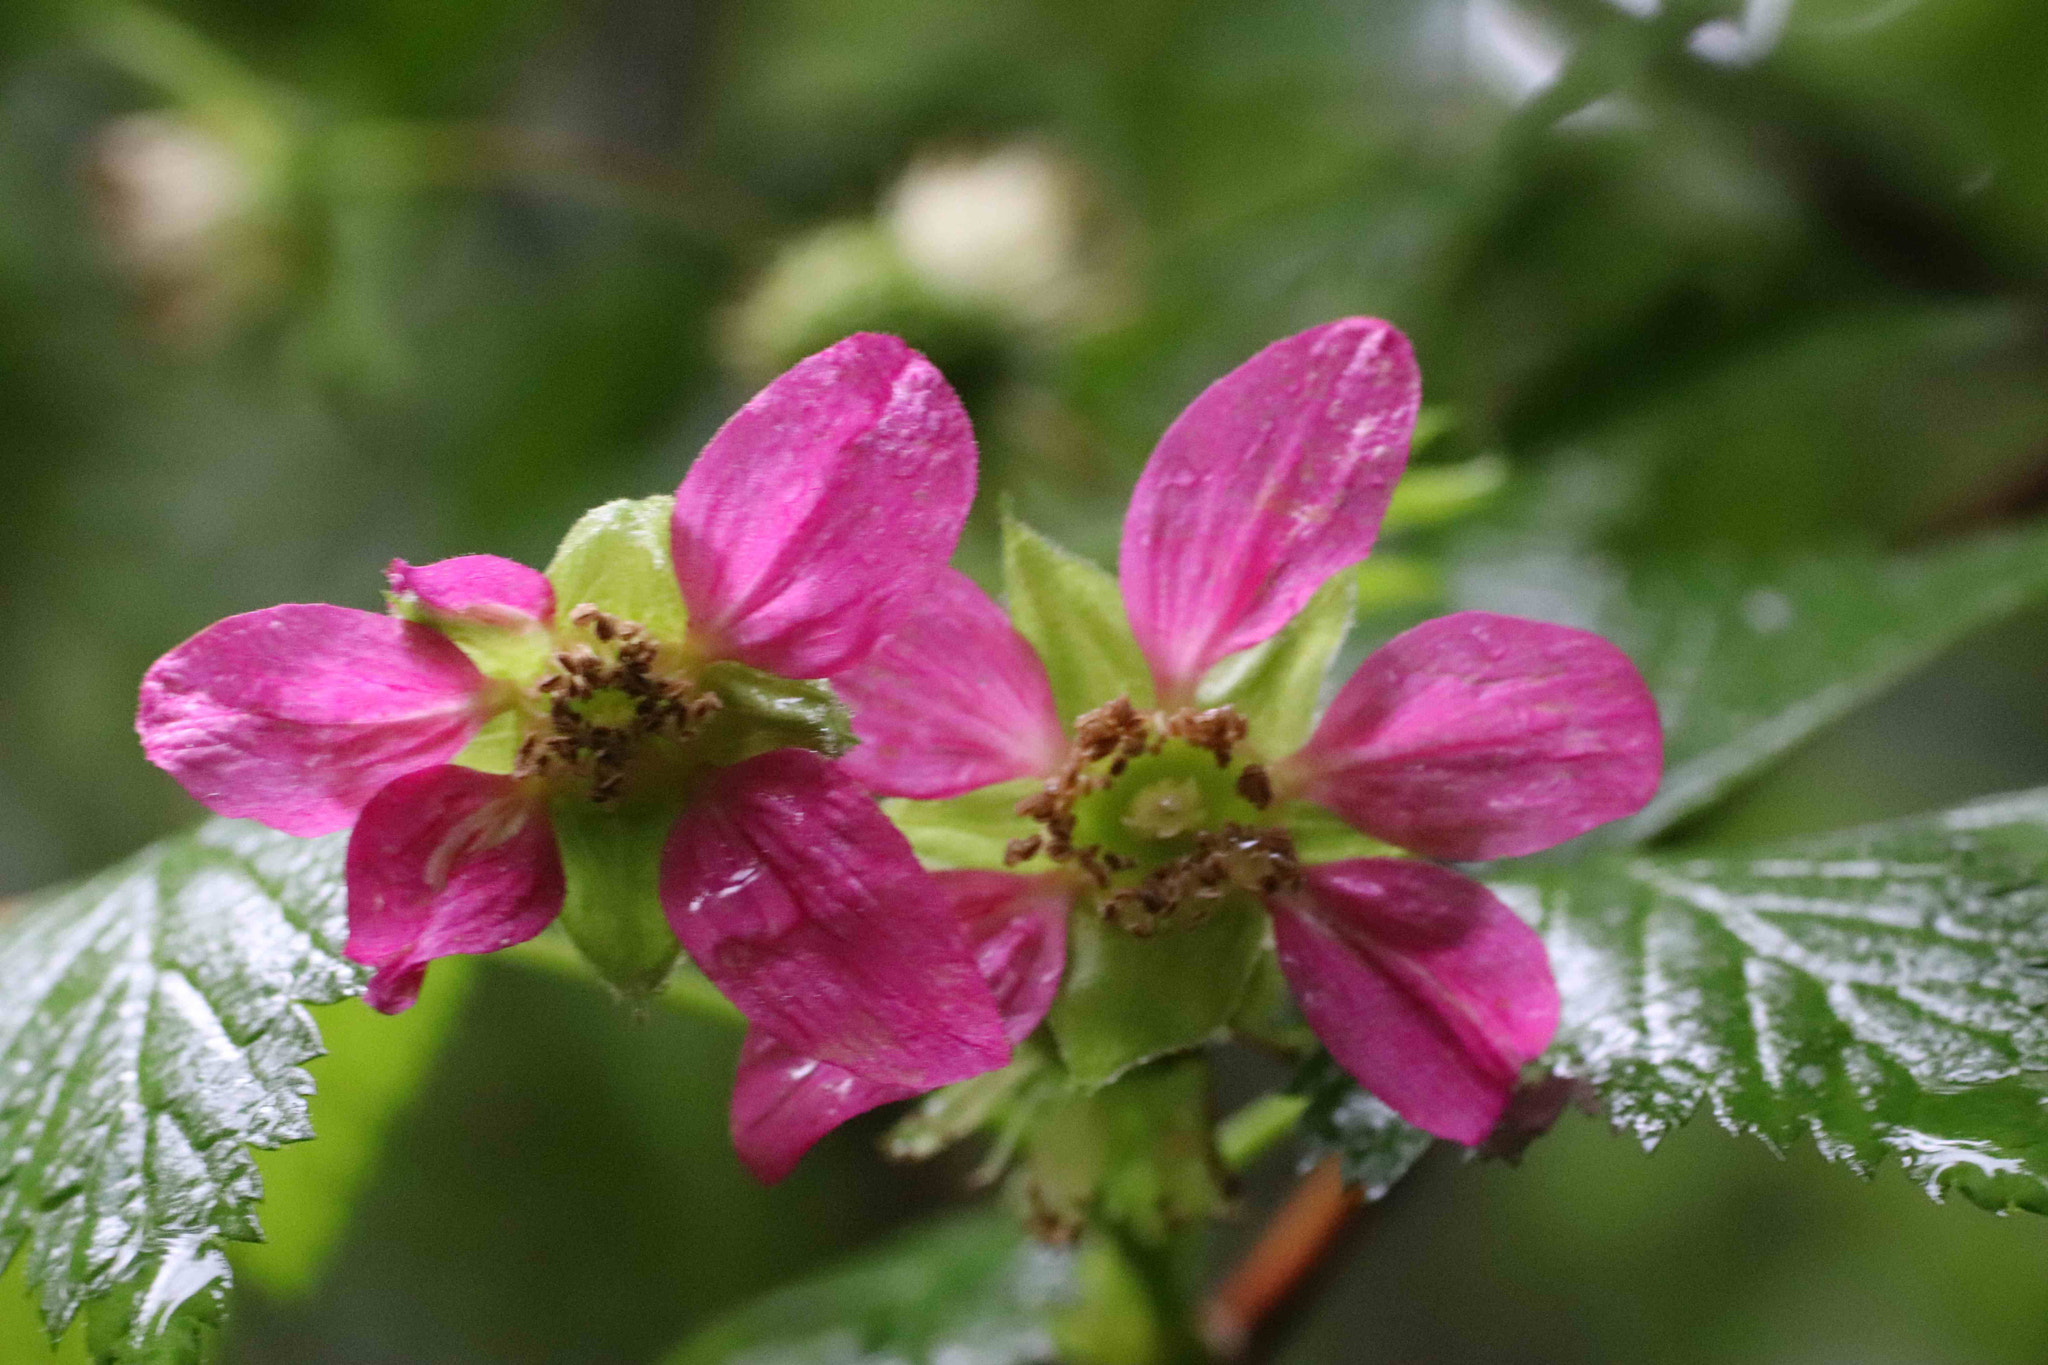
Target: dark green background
[(1800, 301)]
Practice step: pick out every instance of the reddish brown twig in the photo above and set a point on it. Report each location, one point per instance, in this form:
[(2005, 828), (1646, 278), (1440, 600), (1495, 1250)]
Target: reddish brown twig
[(1293, 1243)]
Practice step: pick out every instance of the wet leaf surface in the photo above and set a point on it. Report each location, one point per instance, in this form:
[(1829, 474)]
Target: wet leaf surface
[(153, 1030), (1880, 991)]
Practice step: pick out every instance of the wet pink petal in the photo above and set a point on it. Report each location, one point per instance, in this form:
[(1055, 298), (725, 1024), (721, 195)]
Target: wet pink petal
[(1016, 928), (783, 1101), (480, 587), (1272, 480), (298, 715), (792, 891), (1421, 984), (819, 513), (1480, 736), (449, 860), (953, 700)]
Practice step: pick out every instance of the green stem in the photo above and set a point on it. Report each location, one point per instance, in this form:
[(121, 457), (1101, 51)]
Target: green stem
[(1252, 1131)]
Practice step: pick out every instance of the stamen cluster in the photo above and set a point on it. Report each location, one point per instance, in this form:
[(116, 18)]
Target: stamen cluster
[(1232, 856), (597, 742)]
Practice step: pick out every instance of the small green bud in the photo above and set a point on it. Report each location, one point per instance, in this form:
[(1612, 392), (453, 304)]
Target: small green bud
[(611, 857)]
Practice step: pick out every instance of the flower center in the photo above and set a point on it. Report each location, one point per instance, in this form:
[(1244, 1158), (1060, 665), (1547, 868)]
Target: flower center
[(607, 701), (1153, 810)]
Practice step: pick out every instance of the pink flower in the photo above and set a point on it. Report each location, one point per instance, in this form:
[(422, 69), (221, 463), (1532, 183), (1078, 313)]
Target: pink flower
[(1470, 737), (799, 539)]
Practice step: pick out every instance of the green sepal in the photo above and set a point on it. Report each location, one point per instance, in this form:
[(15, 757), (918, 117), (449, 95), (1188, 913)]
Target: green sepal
[(1275, 685), (762, 712), (518, 653), (1322, 836), (495, 749), (970, 831), (1136, 1155), (1073, 614), (616, 557), (1127, 1000), (995, 1099), (611, 858)]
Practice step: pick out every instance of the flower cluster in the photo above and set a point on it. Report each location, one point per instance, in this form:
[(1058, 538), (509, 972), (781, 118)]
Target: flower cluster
[(628, 742), (1474, 736), (638, 743)]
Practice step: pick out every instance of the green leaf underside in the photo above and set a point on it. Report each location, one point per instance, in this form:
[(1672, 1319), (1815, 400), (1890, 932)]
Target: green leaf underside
[(1127, 1000), (1880, 991), (1073, 614), (1749, 657), (1276, 686), (1374, 1144), (972, 1287), (617, 558), (153, 1030)]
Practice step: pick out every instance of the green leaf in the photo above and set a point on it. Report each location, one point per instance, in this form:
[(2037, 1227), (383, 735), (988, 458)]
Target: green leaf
[(1127, 1000), (616, 557), (1276, 686), (154, 1028), (971, 1287), (374, 1066), (1073, 614), (1376, 1146), (970, 831), (1881, 991), (1749, 656)]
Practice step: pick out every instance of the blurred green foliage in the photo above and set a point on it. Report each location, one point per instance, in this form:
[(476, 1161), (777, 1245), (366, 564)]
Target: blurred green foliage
[(1792, 298)]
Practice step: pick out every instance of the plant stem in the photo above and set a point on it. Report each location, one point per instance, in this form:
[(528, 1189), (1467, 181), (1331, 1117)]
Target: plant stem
[(1294, 1242)]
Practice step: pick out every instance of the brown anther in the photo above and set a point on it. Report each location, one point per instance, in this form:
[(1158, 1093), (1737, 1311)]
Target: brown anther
[(1022, 850), (1255, 786)]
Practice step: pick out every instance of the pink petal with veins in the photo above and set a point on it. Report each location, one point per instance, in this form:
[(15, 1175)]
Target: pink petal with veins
[(791, 890), (953, 700), (1481, 736), (1272, 480), (1422, 985), (479, 587), (783, 1101), (821, 511), (446, 861), (297, 715)]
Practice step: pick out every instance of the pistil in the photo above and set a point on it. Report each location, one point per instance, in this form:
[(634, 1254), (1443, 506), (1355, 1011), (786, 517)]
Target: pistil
[(605, 704), (1178, 851)]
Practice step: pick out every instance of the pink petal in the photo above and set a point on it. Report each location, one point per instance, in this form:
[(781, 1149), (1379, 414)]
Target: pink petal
[(1481, 736), (792, 891), (298, 715), (783, 1101), (953, 700), (1016, 928), (1423, 986), (449, 860), (1272, 480), (818, 515), (480, 587)]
